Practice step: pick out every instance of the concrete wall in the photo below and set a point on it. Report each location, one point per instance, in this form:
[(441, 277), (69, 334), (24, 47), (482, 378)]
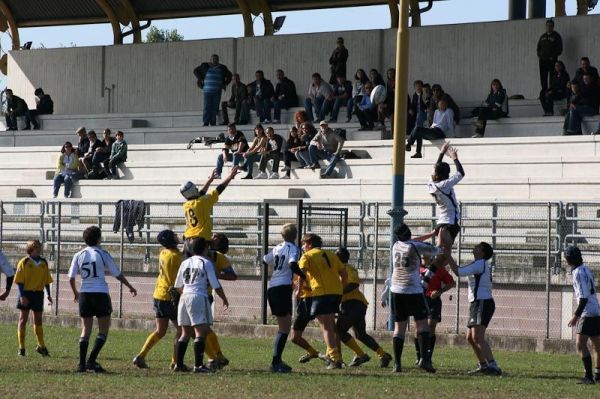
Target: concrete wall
[(158, 77)]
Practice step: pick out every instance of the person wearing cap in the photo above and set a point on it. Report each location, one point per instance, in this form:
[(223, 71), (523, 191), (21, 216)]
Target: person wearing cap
[(586, 318), (327, 144), (337, 61), (549, 47), (165, 308)]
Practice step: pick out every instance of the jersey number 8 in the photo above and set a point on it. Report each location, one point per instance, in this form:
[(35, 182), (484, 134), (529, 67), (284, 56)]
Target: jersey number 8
[(191, 218)]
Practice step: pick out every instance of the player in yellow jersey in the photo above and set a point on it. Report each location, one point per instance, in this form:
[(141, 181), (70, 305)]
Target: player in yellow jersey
[(352, 314), (326, 277), (224, 271), (198, 208), (164, 306), (32, 277)]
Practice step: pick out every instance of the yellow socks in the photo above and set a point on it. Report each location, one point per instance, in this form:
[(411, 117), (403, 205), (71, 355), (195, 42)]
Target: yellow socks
[(150, 342), (39, 335), (352, 344), (21, 338), (380, 352), (333, 354), (312, 351), (212, 348)]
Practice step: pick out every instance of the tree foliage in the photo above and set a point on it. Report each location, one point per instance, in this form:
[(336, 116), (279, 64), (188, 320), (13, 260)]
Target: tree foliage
[(156, 35)]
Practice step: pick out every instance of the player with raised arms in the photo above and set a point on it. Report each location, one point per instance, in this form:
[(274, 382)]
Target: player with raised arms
[(194, 314), (586, 318), (481, 306), (165, 310), (93, 263), (284, 260)]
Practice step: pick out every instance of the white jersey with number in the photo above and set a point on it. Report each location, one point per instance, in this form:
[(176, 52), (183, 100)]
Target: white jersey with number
[(584, 287), (93, 264), (5, 267), (406, 274), (280, 257), (445, 198), (195, 275)]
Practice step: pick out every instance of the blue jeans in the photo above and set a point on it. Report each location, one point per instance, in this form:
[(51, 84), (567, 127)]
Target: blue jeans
[(421, 118), (336, 107), (263, 109), (322, 107), (211, 107), (221, 161), (316, 154), (278, 105), (303, 157), (68, 179), (249, 163), (575, 116)]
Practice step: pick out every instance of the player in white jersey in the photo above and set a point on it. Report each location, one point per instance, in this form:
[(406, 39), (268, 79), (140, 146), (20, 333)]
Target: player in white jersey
[(92, 264), (587, 315), (8, 270), (284, 259), (441, 187), (194, 314), (482, 306), (408, 298)]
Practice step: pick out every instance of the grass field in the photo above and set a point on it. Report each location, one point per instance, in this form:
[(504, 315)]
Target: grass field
[(527, 375)]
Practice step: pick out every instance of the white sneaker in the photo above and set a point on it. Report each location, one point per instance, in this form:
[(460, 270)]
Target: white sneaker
[(261, 175), (285, 177), (274, 175)]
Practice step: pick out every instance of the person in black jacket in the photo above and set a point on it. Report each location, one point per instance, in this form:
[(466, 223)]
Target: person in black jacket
[(273, 151), (238, 101), (337, 61), (492, 108), (213, 78), (83, 144), (549, 48), (557, 90), (585, 67), (15, 106), (45, 106), (418, 108), (262, 91), (438, 93), (285, 95), (342, 96), (584, 101)]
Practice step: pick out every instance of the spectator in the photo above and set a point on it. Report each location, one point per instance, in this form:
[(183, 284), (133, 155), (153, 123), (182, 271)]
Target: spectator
[(83, 144), (102, 153), (442, 127), (44, 106), (342, 96), (300, 117), (86, 159), (239, 101), (418, 108), (285, 95), (254, 152), (15, 107), (437, 93), (293, 144), (375, 78), (549, 48), (235, 145), (213, 77), (358, 89), (585, 67), (386, 109), (429, 105), (320, 95), (328, 145), (307, 133), (118, 155), (271, 151), (494, 107), (262, 92), (366, 111), (557, 90), (66, 170), (584, 102), (337, 61)]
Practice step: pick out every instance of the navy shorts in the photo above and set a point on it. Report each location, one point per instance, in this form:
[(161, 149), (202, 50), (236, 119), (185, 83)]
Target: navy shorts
[(303, 316), (453, 229), (589, 326), (481, 312), (325, 304), (405, 305), (94, 304), (280, 300), (36, 301), (165, 310)]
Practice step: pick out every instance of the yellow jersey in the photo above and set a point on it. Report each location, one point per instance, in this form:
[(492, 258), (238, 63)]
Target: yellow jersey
[(33, 275), (355, 294), (322, 269), (303, 292), (168, 266), (198, 215), (221, 263)]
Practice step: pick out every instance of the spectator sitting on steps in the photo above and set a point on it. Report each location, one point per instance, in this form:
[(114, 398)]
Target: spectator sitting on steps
[(366, 111), (442, 127), (262, 91), (585, 67), (238, 101), (272, 151), (118, 155), (83, 144), (328, 145), (584, 102), (102, 154), (285, 95), (320, 96), (306, 133), (66, 170), (386, 109), (44, 106), (15, 107), (437, 93), (494, 107), (86, 159), (254, 152), (342, 96), (235, 144), (293, 144), (558, 88), (358, 90)]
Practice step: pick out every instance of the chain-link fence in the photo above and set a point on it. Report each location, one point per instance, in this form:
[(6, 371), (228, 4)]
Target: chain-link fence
[(531, 283)]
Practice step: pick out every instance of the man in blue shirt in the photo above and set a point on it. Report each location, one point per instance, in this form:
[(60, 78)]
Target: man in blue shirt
[(213, 77)]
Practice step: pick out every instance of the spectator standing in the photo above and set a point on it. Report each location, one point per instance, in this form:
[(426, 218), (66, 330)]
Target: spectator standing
[(320, 95), (585, 67), (328, 145), (66, 170), (285, 95), (238, 101), (494, 107), (235, 144), (213, 77), (549, 48), (254, 152), (15, 107), (118, 155), (358, 89), (271, 152), (366, 111), (262, 91), (337, 61), (442, 127), (342, 96), (44, 106), (558, 88)]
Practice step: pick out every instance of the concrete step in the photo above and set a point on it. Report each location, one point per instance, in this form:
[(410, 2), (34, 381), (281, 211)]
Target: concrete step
[(517, 108)]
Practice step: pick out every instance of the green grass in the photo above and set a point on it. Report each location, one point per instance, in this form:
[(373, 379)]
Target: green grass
[(527, 375)]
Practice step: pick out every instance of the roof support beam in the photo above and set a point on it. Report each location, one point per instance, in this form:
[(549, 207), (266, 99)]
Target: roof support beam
[(112, 18), (267, 17), (559, 8), (415, 13), (133, 19), (12, 24), (394, 13), (247, 15)]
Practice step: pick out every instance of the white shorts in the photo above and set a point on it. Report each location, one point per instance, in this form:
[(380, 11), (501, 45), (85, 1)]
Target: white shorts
[(194, 310)]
